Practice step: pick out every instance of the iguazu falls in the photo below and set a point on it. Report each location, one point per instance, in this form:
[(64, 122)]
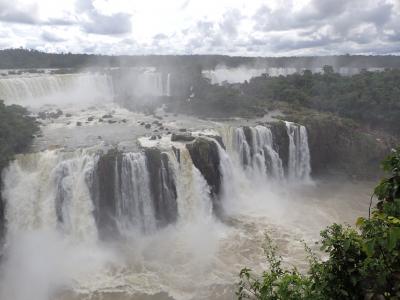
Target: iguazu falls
[(192, 150)]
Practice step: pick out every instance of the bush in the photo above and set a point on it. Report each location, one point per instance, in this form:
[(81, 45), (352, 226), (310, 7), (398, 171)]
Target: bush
[(362, 263)]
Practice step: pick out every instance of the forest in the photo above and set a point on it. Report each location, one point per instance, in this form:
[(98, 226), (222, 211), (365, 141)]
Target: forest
[(26, 58)]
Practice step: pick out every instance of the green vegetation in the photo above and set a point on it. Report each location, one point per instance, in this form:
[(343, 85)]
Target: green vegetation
[(371, 98), (25, 58), (16, 131), (362, 263)]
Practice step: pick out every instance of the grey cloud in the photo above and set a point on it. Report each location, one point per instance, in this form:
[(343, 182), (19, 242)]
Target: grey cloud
[(325, 23), (51, 37), (160, 36), (230, 22), (98, 23), (14, 12)]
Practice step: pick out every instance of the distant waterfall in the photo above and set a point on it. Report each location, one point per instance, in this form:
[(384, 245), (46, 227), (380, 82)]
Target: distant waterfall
[(168, 87), (299, 154), (140, 82), (255, 148), (56, 89)]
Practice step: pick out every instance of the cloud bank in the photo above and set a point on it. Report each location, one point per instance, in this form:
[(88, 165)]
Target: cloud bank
[(232, 27)]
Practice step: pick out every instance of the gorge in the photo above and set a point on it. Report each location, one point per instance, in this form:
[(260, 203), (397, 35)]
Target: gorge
[(112, 202)]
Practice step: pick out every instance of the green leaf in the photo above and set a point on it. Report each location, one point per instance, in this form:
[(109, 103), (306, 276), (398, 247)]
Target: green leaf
[(393, 237)]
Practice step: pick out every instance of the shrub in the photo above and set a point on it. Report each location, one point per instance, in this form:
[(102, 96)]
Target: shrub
[(362, 263)]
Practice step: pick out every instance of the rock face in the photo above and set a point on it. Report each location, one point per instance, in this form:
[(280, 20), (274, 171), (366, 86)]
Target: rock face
[(205, 157), (163, 187), (281, 141), (103, 192), (340, 147), (2, 216), (179, 137)]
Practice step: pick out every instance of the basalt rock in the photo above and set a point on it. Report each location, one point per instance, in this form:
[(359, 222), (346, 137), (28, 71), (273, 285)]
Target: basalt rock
[(163, 187), (103, 191), (177, 137), (281, 141), (205, 157)]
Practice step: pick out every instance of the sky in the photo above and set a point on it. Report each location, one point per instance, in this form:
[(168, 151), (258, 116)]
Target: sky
[(231, 27)]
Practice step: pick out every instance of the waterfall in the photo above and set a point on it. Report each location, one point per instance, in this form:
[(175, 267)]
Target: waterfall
[(299, 154), (44, 89), (254, 146), (194, 202), (242, 147), (168, 92), (83, 195), (134, 207), (47, 190)]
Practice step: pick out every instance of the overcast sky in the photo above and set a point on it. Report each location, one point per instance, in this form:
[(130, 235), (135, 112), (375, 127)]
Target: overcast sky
[(233, 27)]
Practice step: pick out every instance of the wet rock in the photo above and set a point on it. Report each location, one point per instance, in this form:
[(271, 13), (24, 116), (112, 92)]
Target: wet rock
[(205, 157), (163, 187), (182, 130), (147, 126), (78, 123), (124, 120), (103, 192), (101, 120), (90, 119), (112, 121), (176, 137), (68, 115), (107, 116), (281, 141)]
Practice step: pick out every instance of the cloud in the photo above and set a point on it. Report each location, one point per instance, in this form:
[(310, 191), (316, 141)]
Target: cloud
[(235, 27), (51, 37), (230, 22), (15, 12), (97, 23)]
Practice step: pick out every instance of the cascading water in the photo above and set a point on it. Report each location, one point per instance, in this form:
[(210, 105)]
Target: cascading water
[(135, 209), (254, 146), (47, 191), (44, 89), (194, 203), (155, 204), (299, 153)]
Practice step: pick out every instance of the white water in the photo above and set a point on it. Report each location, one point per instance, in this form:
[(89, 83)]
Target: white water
[(87, 88), (56, 89), (299, 153), (135, 211), (197, 257), (259, 157)]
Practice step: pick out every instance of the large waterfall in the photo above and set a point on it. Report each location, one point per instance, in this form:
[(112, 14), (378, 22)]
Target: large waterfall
[(58, 89), (163, 207)]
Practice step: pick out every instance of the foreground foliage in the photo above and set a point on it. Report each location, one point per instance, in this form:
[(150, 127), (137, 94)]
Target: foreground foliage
[(362, 263)]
